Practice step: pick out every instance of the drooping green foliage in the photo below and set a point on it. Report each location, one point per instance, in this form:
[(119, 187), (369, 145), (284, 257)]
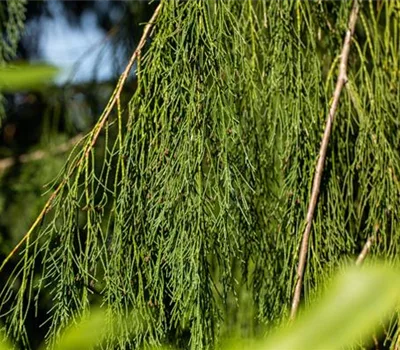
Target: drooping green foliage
[(12, 16), (193, 201)]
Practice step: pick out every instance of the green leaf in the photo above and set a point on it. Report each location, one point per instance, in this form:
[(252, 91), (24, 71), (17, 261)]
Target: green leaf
[(93, 329), (356, 302), (25, 76), (5, 346), (4, 343), (354, 305), (90, 331)]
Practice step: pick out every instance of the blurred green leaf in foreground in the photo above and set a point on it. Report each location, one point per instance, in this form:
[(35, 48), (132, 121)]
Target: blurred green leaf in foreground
[(356, 302), (25, 76), (89, 332)]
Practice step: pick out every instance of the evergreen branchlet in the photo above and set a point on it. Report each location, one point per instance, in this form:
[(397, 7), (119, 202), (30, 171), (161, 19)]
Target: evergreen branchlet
[(189, 208)]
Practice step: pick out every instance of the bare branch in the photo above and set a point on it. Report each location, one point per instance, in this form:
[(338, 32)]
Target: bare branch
[(341, 81), (367, 246)]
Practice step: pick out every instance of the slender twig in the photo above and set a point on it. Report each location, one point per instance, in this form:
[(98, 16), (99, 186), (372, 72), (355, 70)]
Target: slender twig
[(363, 254), (8, 162), (93, 136), (397, 346), (123, 77), (360, 259), (342, 78)]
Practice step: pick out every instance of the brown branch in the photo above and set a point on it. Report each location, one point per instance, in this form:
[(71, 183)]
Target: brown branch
[(94, 134), (363, 254), (123, 77), (8, 162), (342, 78)]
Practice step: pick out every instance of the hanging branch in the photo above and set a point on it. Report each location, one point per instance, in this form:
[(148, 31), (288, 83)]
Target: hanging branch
[(341, 81), (93, 135)]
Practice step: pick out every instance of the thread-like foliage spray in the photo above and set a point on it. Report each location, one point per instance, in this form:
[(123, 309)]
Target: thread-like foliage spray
[(193, 201)]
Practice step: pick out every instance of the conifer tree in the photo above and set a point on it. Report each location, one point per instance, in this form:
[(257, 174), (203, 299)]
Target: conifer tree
[(186, 205)]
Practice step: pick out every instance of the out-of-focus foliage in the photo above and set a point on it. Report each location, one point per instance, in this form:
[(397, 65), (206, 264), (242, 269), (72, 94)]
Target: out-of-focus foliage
[(22, 77), (86, 334), (350, 312), (355, 303)]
